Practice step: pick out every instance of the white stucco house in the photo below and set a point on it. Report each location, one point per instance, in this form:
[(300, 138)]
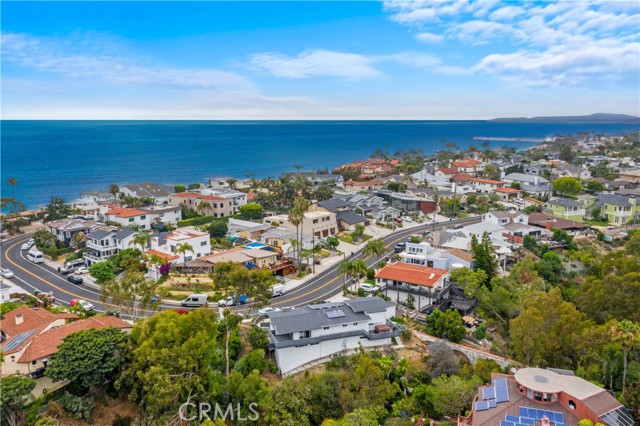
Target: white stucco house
[(313, 332)]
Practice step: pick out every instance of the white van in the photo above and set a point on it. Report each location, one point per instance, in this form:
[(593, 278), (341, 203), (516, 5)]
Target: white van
[(72, 265), (35, 256), (278, 290), (195, 300)]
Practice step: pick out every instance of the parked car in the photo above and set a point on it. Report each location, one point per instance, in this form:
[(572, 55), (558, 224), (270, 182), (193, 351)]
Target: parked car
[(400, 247), (268, 310), (458, 226), (28, 244), (71, 266), (407, 219), (397, 219), (82, 270), (7, 273), (75, 279), (35, 256), (82, 303), (278, 290), (37, 373), (233, 300), (432, 222), (368, 288)]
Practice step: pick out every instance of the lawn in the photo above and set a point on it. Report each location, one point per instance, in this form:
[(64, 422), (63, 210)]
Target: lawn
[(596, 222), (347, 238)]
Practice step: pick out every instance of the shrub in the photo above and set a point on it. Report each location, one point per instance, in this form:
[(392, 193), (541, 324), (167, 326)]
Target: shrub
[(254, 360), (121, 421), (258, 338), (46, 421), (371, 273), (196, 221), (79, 406), (361, 292)]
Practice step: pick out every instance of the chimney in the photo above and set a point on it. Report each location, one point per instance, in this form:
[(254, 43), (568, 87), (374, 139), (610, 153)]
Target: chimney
[(548, 224), (19, 319), (545, 421)]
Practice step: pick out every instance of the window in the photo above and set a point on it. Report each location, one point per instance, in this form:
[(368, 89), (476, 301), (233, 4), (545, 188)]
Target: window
[(33, 362), (305, 334), (572, 404), (355, 323), (315, 220), (344, 325), (325, 327), (130, 219), (203, 243), (143, 217)]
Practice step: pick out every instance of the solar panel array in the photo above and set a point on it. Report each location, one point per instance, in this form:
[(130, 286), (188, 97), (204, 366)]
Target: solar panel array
[(338, 313), (488, 393), (536, 414), (502, 390), (17, 340)]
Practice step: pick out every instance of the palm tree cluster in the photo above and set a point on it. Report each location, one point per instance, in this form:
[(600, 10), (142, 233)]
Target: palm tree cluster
[(354, 270), (296, 218)]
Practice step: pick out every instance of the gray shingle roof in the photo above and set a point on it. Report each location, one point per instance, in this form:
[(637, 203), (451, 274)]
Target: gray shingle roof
[(312, 317), (148, 189), (565, 202), (99, 234), (125, 233), (350, 217), (334, 204), (613, 199)]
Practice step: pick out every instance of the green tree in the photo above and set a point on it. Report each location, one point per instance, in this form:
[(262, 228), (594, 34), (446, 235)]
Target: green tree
[(254, 360), (357, 233), (566, 186), (218, 229), (333, 242), (447, 325), (193, 185), (13, 398), (550, 267), (130, 293), (484, 257), (484, 368), (595, 186), (374, 248), (158, 380), (631, 397), (258, 338), (179, 188), (364, 385), (141, 239), (251, 211), (182, 249), (627, 333), (203, 207), (89, 358), (451, 395), (79, 240), (567, 153), (56, 209), (323, 192), (515, 184), (114, 190), (44, 239), (102, 271), (469, 280)]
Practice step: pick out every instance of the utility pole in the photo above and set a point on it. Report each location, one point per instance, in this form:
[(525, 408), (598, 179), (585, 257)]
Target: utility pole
[(455, 190)]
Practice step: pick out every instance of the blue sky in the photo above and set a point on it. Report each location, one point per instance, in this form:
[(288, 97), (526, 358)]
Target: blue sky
[(445, 59)]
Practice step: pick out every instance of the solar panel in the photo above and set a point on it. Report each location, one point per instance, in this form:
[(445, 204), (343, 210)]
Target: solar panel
[(488, 393), (523, 412), (338, 313), (502, 391), (527, 421), (492, 403), (17, 341), (558, 417), (481, 406), (515, 419), (506, 423)]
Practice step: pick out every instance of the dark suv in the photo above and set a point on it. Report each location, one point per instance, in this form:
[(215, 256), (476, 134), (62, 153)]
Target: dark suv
[(399, 247), (75, 279), (37, 373)]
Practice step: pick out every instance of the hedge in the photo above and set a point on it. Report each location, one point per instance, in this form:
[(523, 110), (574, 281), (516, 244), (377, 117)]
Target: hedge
[(201, 220)]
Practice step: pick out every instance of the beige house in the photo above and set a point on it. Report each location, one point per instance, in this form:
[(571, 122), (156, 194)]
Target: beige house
[(217, 206), (31, 335), (318, 223)]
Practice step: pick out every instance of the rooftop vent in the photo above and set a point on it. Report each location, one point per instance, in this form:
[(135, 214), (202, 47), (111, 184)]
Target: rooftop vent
[(338, 313)]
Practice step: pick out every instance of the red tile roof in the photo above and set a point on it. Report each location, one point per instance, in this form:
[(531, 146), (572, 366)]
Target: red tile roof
[(32, 318), (462, 177), (197, 196), (490, 181), (412, 274), (365, 183), (466, 163), (47, 343), (448, 170), (508, 190), (125, 212), (161, 255)]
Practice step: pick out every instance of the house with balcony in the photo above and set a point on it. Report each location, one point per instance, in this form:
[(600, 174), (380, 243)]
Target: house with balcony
[(95, 197), (368, 185), (425, 284), (315, 332), (467, 165), (426, 255), (486, 186), (237, 198), (565, 208), (64, 229), (105, 242), (165, 246), (618, 209), (317, 223), (210, 205), (531, 183), (407, 202)]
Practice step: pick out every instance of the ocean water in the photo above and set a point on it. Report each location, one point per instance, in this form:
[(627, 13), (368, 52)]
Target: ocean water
[(63, 158)]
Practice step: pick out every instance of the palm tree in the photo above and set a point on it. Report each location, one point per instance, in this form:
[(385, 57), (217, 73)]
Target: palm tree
[(203, 207), (114, 190), (627, 333), (359, 269), (302, 204), (345, 268), (141, 239), (374, 248), (295, 218), (12, 181), (232, 183), (183, 248)]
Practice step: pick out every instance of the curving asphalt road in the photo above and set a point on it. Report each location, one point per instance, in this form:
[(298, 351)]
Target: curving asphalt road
[(41, 277)]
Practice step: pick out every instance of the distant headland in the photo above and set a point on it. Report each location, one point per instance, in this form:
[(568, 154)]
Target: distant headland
[(600, 117)]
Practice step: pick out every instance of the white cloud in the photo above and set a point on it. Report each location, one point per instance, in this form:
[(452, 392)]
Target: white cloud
[(105, 61), (317, 62), (429, 37), (561, 42), (328, 63)]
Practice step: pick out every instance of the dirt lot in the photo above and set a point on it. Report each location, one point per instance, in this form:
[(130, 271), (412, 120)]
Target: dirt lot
[(104, 413)]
